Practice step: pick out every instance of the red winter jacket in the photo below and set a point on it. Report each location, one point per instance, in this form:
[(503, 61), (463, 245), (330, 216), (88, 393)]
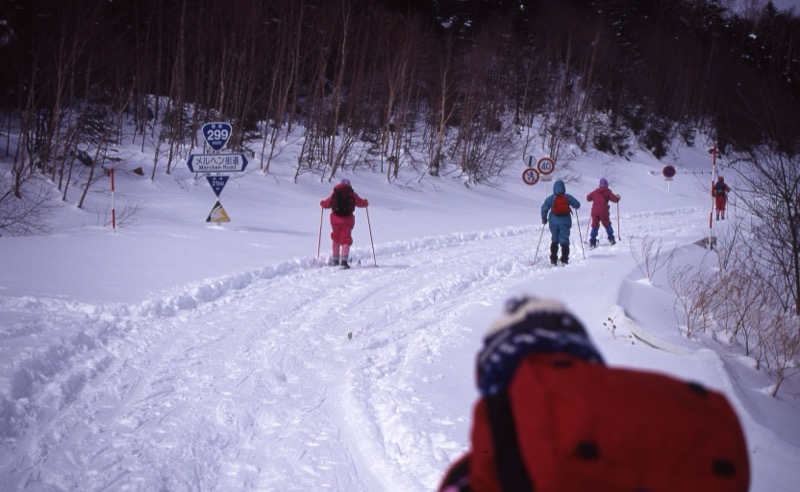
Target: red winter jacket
[(567, 425), (342, 226), (600, 198), (720, 200), (360, 202)]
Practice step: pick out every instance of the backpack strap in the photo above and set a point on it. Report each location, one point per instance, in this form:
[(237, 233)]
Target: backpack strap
[(507, 455)]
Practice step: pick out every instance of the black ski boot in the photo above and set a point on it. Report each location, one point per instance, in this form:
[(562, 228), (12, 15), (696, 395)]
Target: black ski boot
[(554, 253), (344, 264), (564, 254)]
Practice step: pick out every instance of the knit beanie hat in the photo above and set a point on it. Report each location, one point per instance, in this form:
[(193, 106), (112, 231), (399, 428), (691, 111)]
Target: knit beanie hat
[(529, 326), (604, 182), (346, 181)]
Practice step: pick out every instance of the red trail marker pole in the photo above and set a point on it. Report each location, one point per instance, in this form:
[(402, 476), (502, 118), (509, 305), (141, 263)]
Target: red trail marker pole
[(113, 208)]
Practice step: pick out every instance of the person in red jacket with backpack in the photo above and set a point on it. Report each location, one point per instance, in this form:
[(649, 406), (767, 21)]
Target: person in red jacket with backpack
[(551, 416), (342, 202), (719, 191), (600, 214)]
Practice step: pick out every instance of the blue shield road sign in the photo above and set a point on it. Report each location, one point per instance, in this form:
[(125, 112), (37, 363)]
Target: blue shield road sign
[(217, 134)]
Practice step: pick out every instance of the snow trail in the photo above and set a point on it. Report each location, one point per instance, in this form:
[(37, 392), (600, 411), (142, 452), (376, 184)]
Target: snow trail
[(168, 362), (201, 388)]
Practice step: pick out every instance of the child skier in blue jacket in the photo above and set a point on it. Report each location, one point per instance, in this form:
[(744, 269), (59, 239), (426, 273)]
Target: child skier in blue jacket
[(557, 210)]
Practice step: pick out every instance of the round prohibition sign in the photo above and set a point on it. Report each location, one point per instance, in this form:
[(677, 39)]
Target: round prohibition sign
[(546, 165), (668, 171), (530, 176)]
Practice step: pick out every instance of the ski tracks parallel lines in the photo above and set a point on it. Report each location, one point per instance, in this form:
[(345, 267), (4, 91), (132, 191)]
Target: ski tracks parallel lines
[(241, 359)]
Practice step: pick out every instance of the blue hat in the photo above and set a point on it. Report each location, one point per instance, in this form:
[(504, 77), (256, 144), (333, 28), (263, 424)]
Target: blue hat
[(603, 182), (529, 326), (346, 181)]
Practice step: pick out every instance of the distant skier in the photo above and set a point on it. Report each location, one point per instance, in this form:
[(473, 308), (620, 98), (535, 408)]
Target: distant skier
[(600, 214), (556, 210), (719, 191), (342, 202)]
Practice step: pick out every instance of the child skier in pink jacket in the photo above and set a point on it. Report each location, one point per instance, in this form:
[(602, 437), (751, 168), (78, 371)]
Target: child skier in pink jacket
[(600, 214)]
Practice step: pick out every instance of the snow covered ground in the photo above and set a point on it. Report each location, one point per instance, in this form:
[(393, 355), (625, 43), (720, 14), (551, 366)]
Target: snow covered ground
[(174, 354)]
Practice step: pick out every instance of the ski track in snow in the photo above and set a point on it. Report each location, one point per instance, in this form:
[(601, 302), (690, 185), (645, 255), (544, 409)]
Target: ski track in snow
[(168, 361)]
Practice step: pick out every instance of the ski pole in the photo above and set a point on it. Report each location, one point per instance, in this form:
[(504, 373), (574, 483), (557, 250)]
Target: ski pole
[(619, 234), (536, 255), (369, 226), (578, 222), (319, 241)]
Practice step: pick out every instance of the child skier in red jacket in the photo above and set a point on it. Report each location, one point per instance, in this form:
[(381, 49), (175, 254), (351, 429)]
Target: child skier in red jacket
[(600, 214), (342, 202), (719, 191)]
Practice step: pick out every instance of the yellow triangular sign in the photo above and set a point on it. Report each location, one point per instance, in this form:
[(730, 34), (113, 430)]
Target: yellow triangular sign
[(218, 214)]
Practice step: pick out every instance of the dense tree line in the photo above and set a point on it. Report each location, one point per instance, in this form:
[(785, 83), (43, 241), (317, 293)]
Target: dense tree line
[(468, 71), (463, 74)]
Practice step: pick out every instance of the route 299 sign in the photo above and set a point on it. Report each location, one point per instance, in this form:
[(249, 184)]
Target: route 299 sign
[(217, 134)]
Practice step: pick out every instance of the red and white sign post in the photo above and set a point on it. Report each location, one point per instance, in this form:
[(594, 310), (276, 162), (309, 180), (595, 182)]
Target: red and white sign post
[(113, 208)]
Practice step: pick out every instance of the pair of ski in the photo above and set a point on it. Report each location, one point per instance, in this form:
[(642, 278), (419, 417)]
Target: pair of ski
[(604, 244), (546, 261), (346, 266)]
